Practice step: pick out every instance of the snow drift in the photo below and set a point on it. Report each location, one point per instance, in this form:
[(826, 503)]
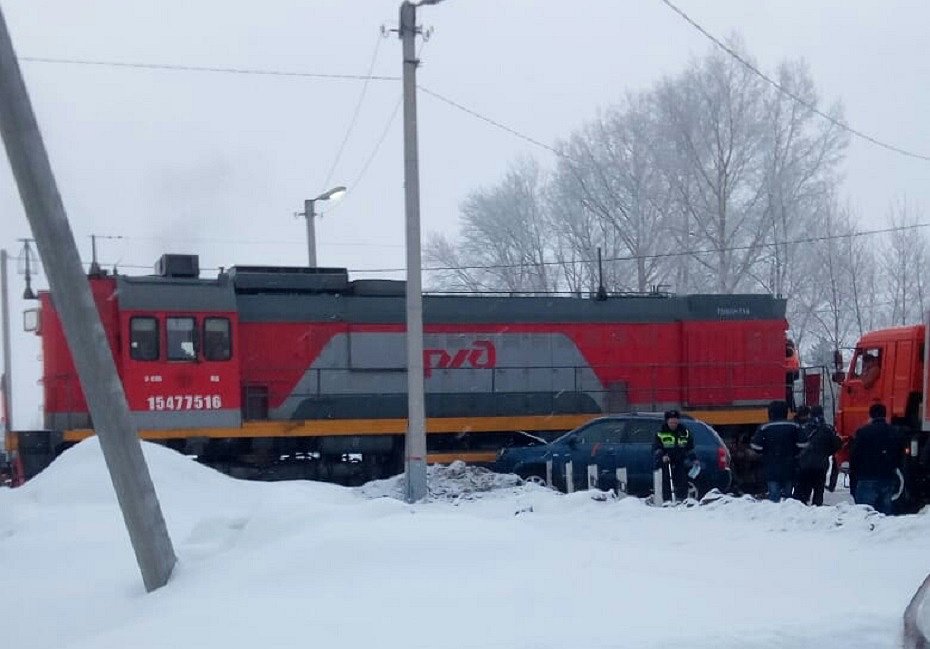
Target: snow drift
[(487, 562)]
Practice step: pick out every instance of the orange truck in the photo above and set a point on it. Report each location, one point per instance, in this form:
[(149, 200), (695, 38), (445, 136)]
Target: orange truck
[(890, 366)]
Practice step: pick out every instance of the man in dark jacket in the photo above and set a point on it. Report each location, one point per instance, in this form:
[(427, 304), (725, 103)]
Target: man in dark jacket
[(822, 442), (778, 442), (673, 449), (802, 416), (875, 455)]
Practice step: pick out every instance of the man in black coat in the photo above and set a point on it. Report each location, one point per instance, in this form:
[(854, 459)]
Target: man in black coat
[(778, 442), (875, 455), (673, 450), (822, 442)]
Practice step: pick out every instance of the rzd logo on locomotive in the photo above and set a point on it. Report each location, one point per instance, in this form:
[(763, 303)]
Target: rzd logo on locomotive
[(480, 355)]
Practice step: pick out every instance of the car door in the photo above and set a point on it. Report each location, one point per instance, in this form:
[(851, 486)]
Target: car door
[(637, 454), (596, 444), (609, 452)]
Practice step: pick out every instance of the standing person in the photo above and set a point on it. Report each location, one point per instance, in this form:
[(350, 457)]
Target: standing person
[(778, 442), (792, 371), (802, 416), (875, 455), (673, 450), (822, 442)]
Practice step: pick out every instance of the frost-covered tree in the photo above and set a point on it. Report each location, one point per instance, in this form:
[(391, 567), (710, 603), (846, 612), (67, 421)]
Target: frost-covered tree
[(905, 257), (710, 181), (714, 114), (608, 169), (504, 238)]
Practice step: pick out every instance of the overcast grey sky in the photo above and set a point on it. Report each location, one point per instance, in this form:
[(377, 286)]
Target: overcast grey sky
[(217, 164)]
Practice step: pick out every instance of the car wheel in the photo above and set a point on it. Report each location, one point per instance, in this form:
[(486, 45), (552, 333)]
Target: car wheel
[(693, 491), (535, 479)]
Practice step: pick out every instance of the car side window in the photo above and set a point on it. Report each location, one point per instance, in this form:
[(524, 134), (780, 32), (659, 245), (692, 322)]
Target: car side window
[(603, 432), (643, 432)]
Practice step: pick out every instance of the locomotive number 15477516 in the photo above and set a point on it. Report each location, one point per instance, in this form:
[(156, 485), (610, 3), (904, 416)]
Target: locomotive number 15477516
[(185, 402)]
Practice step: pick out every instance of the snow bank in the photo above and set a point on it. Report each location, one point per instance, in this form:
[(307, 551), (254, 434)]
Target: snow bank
[(486, 563), (455, 482)]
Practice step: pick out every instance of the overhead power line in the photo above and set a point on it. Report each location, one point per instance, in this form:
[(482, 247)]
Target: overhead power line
[(378, 143), (354, 119), (381, 138), (214, 69), (257, 242), (664, 255), (660, 255), (372, 77), (492, 122), (788, 93)]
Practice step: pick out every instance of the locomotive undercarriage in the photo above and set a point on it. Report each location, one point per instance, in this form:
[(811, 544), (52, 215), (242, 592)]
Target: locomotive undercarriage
[(352, 460)]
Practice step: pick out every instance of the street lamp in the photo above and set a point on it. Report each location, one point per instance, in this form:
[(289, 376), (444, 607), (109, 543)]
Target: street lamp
[(309, 213)]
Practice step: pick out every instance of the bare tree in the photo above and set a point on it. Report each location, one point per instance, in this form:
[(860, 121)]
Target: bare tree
[(712, 180), (609, 170), (828, 307), (715, 116), (504, 238), (906, 262), (802, 153)]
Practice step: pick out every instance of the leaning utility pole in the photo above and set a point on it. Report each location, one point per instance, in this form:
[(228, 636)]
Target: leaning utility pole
[(81, 322), (7, 382), (415, 442)]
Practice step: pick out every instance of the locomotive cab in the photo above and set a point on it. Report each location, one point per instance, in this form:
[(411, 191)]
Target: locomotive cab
[(174, 342)]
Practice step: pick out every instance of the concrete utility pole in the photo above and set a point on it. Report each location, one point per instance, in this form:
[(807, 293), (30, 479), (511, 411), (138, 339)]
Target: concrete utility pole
[(81, 322), (415, 448), (7, 383)]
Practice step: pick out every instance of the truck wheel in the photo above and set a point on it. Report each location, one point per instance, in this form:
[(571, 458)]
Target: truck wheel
[(899, 489)]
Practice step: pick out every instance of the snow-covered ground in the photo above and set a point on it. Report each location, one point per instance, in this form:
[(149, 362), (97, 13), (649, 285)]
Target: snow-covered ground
[(487, 563)]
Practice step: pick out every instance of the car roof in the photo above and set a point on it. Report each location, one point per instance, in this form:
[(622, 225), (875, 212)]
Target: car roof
[(643, 415)]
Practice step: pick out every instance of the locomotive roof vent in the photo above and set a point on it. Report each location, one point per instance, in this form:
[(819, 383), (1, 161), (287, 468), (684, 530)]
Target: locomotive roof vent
[(178, 266), (278, 279), (379, 287)]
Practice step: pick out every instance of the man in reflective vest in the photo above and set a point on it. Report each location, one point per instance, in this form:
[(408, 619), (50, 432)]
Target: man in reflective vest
[(673, 449)]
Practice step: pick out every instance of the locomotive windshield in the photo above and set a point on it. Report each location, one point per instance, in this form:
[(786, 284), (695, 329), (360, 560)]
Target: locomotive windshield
[(181, 339)]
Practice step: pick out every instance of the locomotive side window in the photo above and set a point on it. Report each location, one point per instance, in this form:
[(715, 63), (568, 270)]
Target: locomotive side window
[(216, 339), (182, 339), (143, 339)]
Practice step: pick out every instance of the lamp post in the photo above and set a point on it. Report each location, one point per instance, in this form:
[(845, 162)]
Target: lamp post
[(309, 213)]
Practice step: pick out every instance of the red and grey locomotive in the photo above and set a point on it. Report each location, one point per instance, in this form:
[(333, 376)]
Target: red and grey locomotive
[(300, 372)]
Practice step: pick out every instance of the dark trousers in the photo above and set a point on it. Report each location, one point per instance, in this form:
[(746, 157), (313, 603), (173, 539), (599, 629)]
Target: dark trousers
[(789, 392), (877, 494), (811, 482), (779, 489), (679, 473)]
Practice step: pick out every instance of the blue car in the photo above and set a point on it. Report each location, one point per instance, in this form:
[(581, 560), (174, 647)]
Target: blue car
[(591, 455)]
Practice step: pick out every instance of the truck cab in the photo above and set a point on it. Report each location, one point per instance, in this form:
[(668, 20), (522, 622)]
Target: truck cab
[(889, 366)]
